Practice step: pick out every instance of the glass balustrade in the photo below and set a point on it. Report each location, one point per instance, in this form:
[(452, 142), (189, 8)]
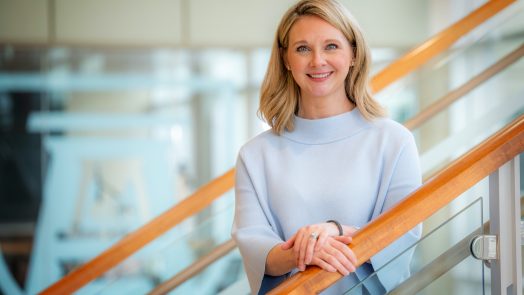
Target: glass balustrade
[(477, 114), (171, 253), (474, 53), (441, 261)]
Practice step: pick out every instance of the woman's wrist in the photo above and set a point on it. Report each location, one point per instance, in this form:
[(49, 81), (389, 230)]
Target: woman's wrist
[(340, 229), (350, 230), (280, 262), (343, 230)]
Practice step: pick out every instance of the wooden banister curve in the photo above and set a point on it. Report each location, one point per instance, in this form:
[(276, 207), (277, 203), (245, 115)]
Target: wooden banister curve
[(214, 189), (436, 193)]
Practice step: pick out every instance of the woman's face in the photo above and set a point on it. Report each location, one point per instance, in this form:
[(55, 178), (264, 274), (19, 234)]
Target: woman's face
[(319, 57)]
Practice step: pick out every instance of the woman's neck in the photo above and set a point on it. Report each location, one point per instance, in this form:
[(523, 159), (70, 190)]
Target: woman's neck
[(318, 108)]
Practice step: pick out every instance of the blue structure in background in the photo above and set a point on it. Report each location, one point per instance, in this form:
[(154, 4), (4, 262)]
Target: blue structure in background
[(111, 170), (84, 211)]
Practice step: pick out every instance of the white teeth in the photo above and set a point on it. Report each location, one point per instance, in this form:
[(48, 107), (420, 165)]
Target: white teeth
[(318, 76)]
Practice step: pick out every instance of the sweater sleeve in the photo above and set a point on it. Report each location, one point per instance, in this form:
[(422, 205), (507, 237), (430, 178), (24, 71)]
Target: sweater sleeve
[(252, 230), (405, 178)]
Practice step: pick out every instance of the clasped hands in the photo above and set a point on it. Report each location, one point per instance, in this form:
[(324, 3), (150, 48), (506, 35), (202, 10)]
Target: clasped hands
[(321, 245)]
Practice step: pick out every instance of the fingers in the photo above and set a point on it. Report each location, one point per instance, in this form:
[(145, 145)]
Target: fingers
[(324, 265), (342, 246), (344, 239), (333, 261), (289, 243), (312, 246), (304, 246), (341, 256), (335, 256), (304, 242), (348, 254), (322, 238), (299, 244)]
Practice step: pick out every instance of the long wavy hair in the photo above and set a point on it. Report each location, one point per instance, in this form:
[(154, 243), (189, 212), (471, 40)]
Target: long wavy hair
[(279, 95)]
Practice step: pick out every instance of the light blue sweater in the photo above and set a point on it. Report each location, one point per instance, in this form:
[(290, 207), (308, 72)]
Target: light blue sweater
[(342, 167)]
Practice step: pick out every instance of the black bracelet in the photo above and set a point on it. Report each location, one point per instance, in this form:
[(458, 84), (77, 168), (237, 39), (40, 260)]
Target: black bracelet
[(340, 230)]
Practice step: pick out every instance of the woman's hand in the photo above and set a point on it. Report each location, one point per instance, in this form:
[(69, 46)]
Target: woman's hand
[(350, 230), (310, 239), (335, 255)]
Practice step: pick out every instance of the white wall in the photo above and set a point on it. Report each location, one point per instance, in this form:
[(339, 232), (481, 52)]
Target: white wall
[(398, 23), (24, 21), (200, 23), (152, 22)]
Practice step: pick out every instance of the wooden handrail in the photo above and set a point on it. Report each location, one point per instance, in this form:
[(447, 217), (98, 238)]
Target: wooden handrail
[(194, 268), (437, 44), (436, 193), (443, 102), (139, 238), (208, 193)]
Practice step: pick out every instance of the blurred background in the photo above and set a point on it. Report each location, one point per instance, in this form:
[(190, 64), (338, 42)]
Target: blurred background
[(112, 111)]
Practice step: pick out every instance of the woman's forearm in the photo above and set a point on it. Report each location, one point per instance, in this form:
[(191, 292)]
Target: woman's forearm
[(280, 262)]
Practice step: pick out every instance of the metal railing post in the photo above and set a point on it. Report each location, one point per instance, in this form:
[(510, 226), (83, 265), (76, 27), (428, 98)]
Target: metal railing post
[(504, 211)]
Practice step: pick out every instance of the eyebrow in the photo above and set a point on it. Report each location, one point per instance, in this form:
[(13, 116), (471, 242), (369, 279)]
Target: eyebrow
[(298, 42), (326, 41)]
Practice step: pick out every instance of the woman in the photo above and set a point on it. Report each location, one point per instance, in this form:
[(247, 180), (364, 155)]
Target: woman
[(330, 164)]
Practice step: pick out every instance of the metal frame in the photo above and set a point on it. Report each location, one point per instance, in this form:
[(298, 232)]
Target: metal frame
[(504, 210)]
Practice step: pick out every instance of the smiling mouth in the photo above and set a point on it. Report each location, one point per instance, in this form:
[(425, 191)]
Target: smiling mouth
[(319, 76)]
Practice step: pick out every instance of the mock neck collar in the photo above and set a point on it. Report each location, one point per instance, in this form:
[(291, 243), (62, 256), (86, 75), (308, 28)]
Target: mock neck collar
[(327, 130)]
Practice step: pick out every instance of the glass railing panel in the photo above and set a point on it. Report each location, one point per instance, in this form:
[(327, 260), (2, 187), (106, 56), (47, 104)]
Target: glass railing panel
[(435, 17), (498, 110), (97, 142), (171, 253), (472, 54), (227, 273), (478, 113), (436, 248)]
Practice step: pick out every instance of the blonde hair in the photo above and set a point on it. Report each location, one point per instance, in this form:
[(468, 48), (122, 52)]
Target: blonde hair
[(279, 94)]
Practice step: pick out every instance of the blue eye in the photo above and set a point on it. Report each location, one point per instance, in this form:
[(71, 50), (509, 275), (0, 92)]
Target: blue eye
[(302, 49), (331, 46)]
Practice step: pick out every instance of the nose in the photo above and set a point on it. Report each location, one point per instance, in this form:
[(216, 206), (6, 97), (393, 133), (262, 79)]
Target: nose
[(317, 59)]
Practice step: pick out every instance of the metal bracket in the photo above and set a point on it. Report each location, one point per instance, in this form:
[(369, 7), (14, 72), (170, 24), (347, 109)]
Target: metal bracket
[(484, 247)]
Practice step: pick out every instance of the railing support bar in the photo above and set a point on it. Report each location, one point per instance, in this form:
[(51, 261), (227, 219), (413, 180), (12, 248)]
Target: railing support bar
[(504, 211)]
